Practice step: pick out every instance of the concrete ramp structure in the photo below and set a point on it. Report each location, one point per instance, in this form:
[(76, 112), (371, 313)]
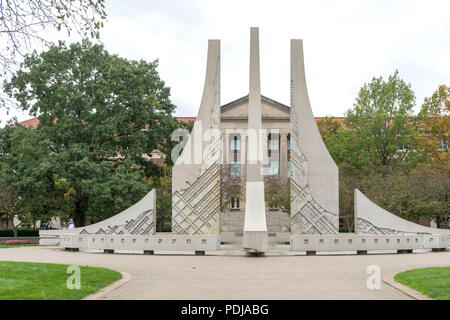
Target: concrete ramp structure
[(372, 219), (314, 174)]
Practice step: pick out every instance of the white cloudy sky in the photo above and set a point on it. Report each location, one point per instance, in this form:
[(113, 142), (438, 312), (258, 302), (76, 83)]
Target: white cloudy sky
[(346, 43)]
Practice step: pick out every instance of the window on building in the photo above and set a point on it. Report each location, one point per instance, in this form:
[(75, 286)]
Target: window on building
[(235, 169), (235, 204), (273, 168), (235, 165), (236, 143), (289, 142), (289, 168), (443, 144), (404, 148), (273, 142)]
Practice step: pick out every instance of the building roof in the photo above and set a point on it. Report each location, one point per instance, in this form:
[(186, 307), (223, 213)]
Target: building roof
[(186, 119), (245, 98), (35, 121), (30, 123)]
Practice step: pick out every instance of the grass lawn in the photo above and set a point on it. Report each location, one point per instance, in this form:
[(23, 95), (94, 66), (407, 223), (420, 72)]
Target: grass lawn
[(42, 281), (432, 282), (3, 246)]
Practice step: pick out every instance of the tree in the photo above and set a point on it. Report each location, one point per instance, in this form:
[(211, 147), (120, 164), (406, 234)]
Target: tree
[(329, 127), (377, 152), (230, 189), (435, 125), (25, 24), (101, 114), (163, 187), (433, 137), (25, 166), (22, 23), (27, 171), (277, 195), (382, 125), (9, 206)]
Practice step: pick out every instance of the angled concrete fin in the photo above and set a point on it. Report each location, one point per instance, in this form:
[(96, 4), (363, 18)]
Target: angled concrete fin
[(255, 226), (196, 174), (314, 175), (372, 219)]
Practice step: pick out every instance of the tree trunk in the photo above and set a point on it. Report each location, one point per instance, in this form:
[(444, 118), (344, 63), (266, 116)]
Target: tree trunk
[(438, 221), (81, 206), (14, 229), (348, 219)]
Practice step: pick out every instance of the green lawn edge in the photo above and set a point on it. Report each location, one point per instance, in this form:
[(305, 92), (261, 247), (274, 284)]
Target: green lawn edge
[(4, 246), (432, 282), (47, 281)]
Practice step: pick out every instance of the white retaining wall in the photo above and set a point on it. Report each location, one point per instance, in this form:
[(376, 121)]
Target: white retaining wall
[(141, 243), (353, 242)]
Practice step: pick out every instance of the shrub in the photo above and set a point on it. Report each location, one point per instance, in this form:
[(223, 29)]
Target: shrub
[(8, 233), (16, 242)]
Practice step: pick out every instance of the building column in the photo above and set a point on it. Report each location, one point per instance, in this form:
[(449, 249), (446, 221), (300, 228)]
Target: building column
[(224, 149), (243, 159), (283, 157)]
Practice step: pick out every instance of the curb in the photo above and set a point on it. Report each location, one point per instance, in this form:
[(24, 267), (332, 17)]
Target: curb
[(99, 295), (389, 280)]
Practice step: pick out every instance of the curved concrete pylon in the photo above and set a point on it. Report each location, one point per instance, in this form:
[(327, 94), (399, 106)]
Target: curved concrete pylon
[(255, 227), (139, 219), (314, 174), (372, 219), (196, 173)]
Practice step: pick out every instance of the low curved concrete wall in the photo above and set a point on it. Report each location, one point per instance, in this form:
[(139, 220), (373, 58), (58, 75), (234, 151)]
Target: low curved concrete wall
[(139, 219), (372, 219), (353, 242), (144, 243)]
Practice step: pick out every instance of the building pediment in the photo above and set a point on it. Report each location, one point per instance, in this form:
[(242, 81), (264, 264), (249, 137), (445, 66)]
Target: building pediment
[(238, 109)]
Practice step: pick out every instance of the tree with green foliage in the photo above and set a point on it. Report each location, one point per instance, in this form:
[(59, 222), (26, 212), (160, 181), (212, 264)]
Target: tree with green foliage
[(329, 127), (163, 187), (381, 125), (277, 195), (381, 149), (100, 115), (435, 125), (9, 207), (27, 171), (433, 137)]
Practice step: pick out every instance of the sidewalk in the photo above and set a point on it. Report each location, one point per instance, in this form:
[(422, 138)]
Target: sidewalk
[(235, 276)]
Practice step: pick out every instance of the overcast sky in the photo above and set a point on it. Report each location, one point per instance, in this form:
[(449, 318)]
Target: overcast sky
[(346, 43)]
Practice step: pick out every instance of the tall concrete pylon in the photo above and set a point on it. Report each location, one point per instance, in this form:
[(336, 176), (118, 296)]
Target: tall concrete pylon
[(255, 226), (314, 174), (196, 173)]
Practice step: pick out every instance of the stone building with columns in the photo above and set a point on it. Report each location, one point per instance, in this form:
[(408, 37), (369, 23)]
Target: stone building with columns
[(276, 124)]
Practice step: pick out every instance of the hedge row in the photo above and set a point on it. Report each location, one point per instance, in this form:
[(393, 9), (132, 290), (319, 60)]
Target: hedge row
[(8, 233)]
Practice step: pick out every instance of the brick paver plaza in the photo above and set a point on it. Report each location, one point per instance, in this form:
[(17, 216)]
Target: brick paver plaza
[(229, 274)]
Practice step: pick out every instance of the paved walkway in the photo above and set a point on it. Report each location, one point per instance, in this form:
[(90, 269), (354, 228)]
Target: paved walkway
[(231, 275)]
